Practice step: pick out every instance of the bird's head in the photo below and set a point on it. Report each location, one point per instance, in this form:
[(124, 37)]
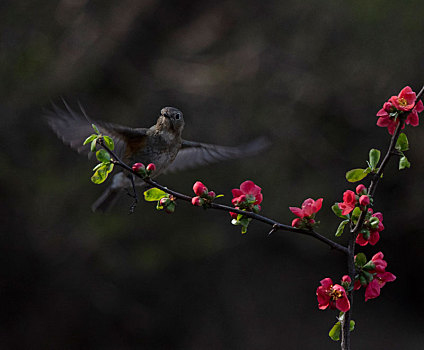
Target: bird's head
[(172, 119)]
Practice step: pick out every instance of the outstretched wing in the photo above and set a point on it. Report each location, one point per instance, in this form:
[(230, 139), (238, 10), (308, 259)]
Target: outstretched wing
[(193, 154), (73, 128)]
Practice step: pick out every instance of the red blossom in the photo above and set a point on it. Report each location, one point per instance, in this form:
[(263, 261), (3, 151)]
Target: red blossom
[(332, 296), (137, 167), (248, 192), (197, 201), (309, 207), (404, 102), (361, 189), (349, 202), (380, 279)]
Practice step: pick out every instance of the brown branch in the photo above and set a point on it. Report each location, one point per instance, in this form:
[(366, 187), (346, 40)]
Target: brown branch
[(275, 224)]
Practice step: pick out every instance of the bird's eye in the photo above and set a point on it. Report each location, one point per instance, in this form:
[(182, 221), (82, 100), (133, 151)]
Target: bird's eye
[(177, 116)]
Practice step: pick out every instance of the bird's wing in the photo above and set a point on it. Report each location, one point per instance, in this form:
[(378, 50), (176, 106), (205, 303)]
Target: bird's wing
[(193, 154), (73, 128)]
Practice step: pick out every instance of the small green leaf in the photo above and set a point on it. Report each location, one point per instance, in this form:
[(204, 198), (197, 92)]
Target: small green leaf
[(219, 195), (243, 230), (97, 166), (404, 163), (100, 175), (341, 227), (355, 214), (335, 331), (154, 194), (90, 138), (95, 129), (402, 143), (109, 142), (352, 325), (336, 210), (109, 168), (374, 157), (103, 156), (239, 217), (368, 276), (93, 145), (360, 259), (355, 175)]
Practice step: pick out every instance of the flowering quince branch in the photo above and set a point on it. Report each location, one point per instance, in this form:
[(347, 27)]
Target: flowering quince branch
[(355, 210)]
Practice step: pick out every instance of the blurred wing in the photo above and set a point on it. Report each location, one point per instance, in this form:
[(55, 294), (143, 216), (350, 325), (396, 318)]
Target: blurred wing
[(193, 154), (73, 128)]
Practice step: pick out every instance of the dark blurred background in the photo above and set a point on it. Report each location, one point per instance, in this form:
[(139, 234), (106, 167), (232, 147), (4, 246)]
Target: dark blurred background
[(310, 75)]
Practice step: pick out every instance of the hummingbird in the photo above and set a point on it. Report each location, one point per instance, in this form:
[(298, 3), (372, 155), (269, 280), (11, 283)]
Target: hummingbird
[(161, 144)]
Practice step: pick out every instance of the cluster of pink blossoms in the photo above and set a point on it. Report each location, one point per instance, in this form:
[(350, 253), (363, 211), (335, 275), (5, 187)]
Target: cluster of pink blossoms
[(351, 200), (404, 103), (203, 195), (306, 214), (247, 197), (374, 276)]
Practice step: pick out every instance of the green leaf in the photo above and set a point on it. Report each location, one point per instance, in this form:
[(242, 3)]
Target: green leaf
[(103, 156), (100, 175), (404, 163), (90, 138), (341, 227), (352, 325), (355, 214), (110, 167), (368, 276), (402, 143), (336, 210), (374, 157), (355, 175), (239, 217), (93, 145), (109, 142), (219, 195), (335, 331), (98, 166), (95, 129), (154, 194), (243, 230), (360, 259)]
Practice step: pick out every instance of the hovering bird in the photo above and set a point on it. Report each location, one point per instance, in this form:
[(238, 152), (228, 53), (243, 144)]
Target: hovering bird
[(160, 144)]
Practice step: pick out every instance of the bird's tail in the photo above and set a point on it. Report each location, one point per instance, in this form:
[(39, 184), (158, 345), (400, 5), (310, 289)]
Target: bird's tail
[(107, 200)]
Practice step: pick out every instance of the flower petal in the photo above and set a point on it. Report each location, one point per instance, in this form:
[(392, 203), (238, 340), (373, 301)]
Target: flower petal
[(249, 187), (297, 211)]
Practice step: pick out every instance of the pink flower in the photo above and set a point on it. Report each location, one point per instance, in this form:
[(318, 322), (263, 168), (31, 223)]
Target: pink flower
[(379, 262), (309, 207), (346, 279), (332, 296), (380, 279), (364, 200), (404, 102), (248, 192), (211, 194), (200, 189), (296, 222), (349, 202)]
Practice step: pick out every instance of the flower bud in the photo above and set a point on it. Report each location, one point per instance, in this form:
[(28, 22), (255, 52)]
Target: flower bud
[(200, 189), (364, 200), (197, 201), (346, 279), (361, 189), (138, 167), (164, 201), (296, 222), (374, 222), (234, 215), (151, 167), (211, 194)]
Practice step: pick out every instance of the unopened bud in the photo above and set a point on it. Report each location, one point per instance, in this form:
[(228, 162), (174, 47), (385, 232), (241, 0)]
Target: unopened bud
[(296, 222), (200, 189), (151, 168), (364, 200), (197, 201), (138, 167), (211, 194), (164, 201), (361, 189)]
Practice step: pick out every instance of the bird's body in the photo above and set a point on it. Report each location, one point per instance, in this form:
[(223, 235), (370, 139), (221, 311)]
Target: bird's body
[(160, 144)]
